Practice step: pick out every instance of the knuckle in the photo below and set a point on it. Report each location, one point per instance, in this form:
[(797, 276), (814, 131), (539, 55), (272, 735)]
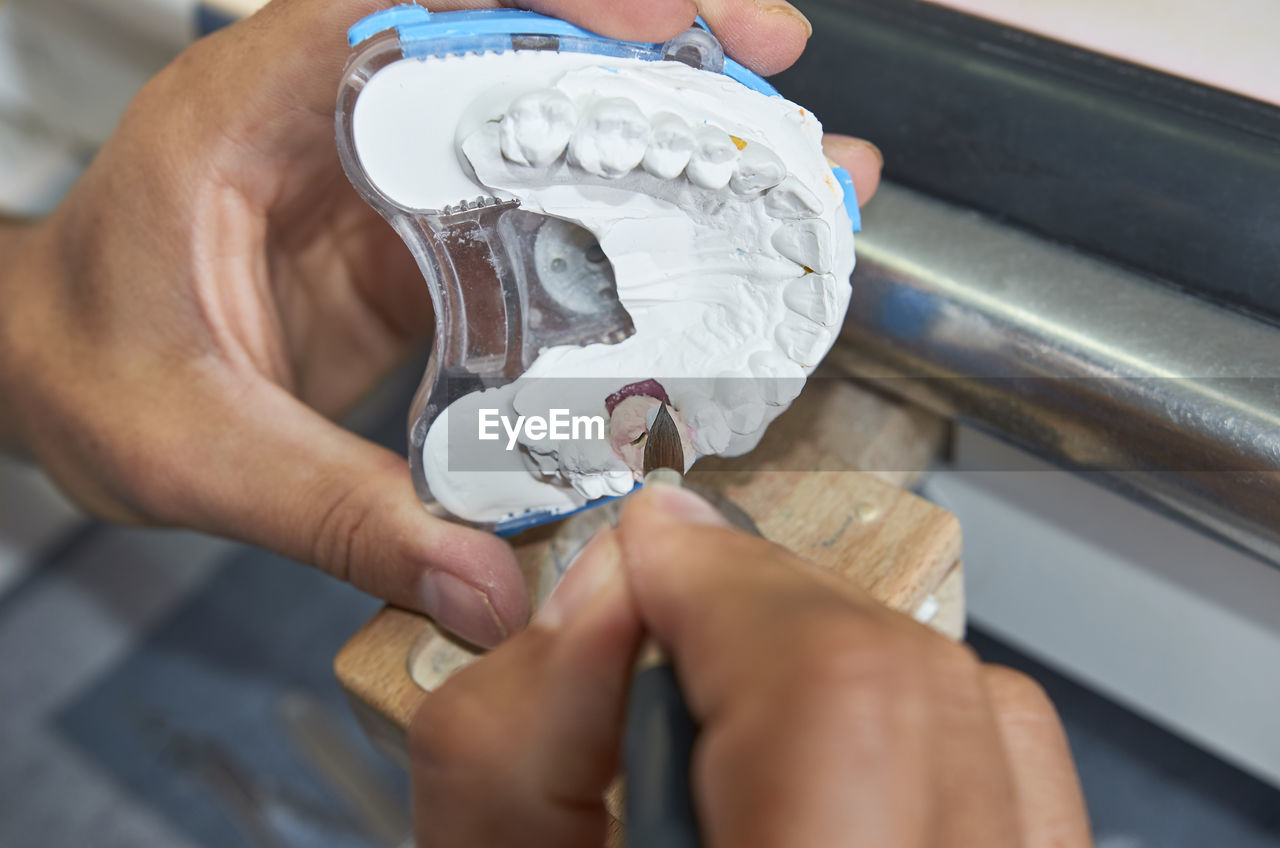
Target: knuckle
[(874, 662), (954, 659), (347, 519), (955, 673), (1015, 695), (840, 651), (853, 675), (162, 94), (342, 531)]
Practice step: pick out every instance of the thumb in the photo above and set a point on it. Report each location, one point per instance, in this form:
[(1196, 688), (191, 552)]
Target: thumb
[(518, 748), (292, 481)]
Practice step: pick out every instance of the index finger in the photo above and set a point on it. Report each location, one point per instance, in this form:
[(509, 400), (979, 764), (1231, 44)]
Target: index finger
[(765, 35), (790, 678), (654, 20), (701, 590)]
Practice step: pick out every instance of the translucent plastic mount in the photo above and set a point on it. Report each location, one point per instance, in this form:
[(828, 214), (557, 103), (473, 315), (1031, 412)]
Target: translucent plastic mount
[(505, 283)]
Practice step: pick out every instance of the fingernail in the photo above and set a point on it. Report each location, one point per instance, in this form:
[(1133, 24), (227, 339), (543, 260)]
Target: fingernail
[(585, 579), (851, 145), (876, 150), (684, 505), (788, 9), (461, 608)]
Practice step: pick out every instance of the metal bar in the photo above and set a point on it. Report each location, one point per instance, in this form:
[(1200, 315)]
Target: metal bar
[(1145, 169), (1089, 365)]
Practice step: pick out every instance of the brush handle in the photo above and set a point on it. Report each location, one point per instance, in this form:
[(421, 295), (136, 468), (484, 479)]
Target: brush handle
[(657, 751)]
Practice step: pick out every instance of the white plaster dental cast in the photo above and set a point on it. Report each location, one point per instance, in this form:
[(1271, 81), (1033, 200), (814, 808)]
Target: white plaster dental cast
[(713, 159), (611, 138), (670, 146), (724, 225), (537, 128)]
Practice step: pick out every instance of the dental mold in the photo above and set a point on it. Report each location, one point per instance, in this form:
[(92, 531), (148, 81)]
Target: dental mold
[(605, 226)]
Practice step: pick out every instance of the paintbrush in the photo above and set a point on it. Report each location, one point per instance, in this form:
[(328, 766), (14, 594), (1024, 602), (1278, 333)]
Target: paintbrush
[(659, 733), (662, 447)]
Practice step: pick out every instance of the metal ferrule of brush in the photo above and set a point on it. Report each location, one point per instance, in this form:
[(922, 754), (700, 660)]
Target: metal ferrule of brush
[(665, 476)]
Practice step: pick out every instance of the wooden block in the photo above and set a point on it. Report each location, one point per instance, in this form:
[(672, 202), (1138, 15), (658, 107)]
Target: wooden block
[(803, 491), (866, 429)]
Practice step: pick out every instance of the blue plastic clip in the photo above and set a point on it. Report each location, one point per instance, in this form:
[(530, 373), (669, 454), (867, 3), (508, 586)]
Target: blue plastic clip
[(850, 197), (535, 518)]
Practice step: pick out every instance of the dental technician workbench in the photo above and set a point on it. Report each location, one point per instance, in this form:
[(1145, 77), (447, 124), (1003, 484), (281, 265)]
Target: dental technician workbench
[(461, 426)]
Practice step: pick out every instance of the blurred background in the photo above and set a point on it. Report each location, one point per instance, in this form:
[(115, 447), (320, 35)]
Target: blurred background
[(164, 688)]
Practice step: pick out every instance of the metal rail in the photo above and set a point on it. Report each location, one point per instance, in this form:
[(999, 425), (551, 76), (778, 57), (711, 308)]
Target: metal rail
[(1096, 368)]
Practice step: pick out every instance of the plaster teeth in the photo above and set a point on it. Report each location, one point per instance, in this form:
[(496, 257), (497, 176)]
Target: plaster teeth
[(610, 139), (806, 243), (780, 378), (758, 168), (814, 297), (537, 128), (792, 199), (669, 146), (710, 431), (713, 159), (592, 485), (593, 468), (741, 402), (803, 341), (745, 419)]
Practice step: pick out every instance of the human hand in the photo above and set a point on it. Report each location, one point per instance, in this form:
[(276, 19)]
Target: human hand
[(826, 719), (177, 338)]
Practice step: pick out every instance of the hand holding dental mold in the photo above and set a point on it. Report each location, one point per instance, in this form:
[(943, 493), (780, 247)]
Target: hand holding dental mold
[(177, 338), (602, 219)]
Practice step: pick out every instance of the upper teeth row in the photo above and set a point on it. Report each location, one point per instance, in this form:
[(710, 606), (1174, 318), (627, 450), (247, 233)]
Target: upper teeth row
[(611, 137)]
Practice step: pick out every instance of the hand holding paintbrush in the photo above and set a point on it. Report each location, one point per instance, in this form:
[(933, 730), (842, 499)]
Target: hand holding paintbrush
[(793, 749), (660, 733)]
